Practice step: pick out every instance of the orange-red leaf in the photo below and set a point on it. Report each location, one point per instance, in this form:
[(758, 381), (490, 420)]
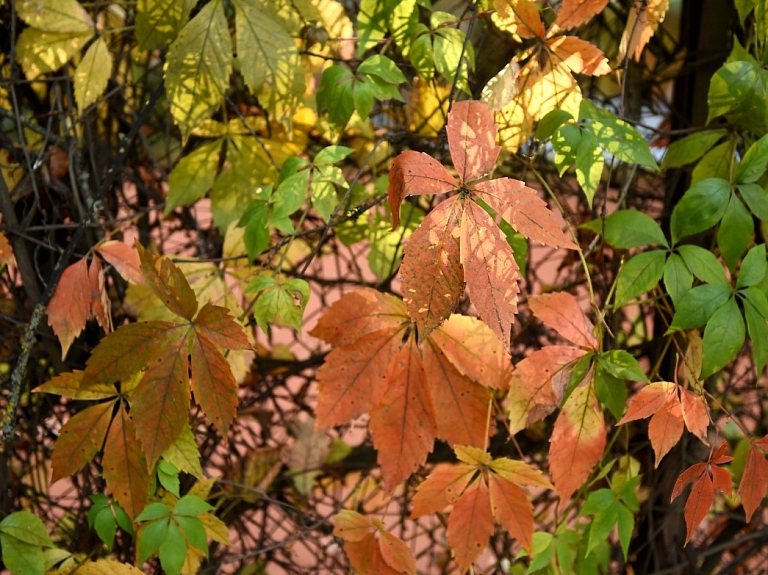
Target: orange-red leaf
[(80, 439), (124, 258), (460, 404), (754, 482), (403, 423), (688, 476), (168, 283), (213, 383), (357, 314), (353, 379), (577, 442), (470, 525), (351, 525), (101, 305), (490, 271), (472, 136), (538, 384), (666, 428), (214, 323), (521, 17), (642, 23), (416, 173), (512, 510), (695, 413), (573, 13), (70, 305), (68, 385), (396, 553), (578, 55), (474, 350), (562, 312), (719, 457), (524, 210), (722, 479), (433, 279), (649, 400), (698, 505), (442, 488), (363, 555), (125, 469)]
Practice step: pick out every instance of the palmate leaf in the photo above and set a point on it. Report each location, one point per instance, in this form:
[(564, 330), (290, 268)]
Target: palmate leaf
[(416, 173)]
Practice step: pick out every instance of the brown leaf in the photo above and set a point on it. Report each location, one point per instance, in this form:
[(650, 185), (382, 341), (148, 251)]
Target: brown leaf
[(80, 439), (722, 480), (6, 252), (308, 454), (101, 305), (754, 482), (70, 305), (168, 283), (472, 136), (578, 55), (520, 17), (363, 554), (213, 383), (470, 525), (573, 13), (562, 312), (214, 323), (666, 428), (512, 510), (124, 258), (416, 173), (433, 278)]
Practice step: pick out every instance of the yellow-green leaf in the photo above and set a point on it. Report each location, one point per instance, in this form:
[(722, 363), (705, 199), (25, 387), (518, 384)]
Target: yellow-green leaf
[(55, 15), (92, 74), (41, 52), (183, 453), (193, 176), (159, 21), (198, 67)]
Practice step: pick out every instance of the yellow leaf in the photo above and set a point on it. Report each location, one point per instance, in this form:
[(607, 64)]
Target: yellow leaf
[(215, 528), (428, 107), (202, 489), (198, 67), (192, 561), (292, 14), (268, 59), (55, 15), (644, 18), (41, 52), (100, 567), (159, 21), (92, 74), (183, 453)]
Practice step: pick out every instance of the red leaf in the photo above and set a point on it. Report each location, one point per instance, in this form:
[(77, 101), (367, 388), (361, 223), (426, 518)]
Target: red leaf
[(648, 401), (474, 350), (490, 271), (70, 305), (351, 525), (573, 13), (433, 279), (403, 423), (695, 413), (442, 488), (562, 312), (80, 439), (470, 525), (213, 384), (101, 306), (396, 553), (688, 476), (353, 379), (577, 442), (523, 210), (357, 314), (124, 258), (719, 457), (168, 283), (416, 173), (698, 505), (460, 404), (666, 428), (538, 384), (472, 136), (521, 17), (722, 480), (215, 323), (125, 469), (512, 509), (578, 55), (754, 482)]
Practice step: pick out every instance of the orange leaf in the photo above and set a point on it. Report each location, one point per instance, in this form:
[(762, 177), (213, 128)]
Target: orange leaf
[(474, 350), (648, 401), (688, 476), (403, 423), (433, 279), (363, 554), (538, 384), (353, 379), (351, 525), (695, 413), (168, 283), (754, 482), (6, 252), (70, 305), (125, 469), (666, 428), (213, 384), (719, 457), (512, 509), (68, 385), (472, 136), (577, 442), (722, 479), (642, 23), (101, 306), (573, 13), (124, 258), (416, 173), (460, 404), (523, 210), (442, 488), (520, 17), (214, 323), (396, 553), (579, 55), (470, 525), (698, 505), (490, 271), (562, 312), (357, 314), (519, 472), (80, 439)]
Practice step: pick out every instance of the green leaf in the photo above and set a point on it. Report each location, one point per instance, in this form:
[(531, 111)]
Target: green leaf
[(404, 16), (363, 97), (611, 391), (699, 305), (382, 67), (123, 520), (589, 165), (700, 208), (22, 558), (639, 275), (168, 476), (372, 18), (281, 304), (677, 277), (323, 190), (151, 537), (757, 298), (704, 265), (198, 67), (153, 511), (756, 198), (715, 164), (616, 136), (551, 122), (194, 531), (335, 94), (735, 232), (421, 54), (27, 528), (597, 502), (191, 505), (448, 46), (723, 338), (602, 525), (544, 551), (290, 194), (738, 91), (566, 141), (173, 551), (689, 149), (758, 333), (753, 268), (622, 364), (98, 502), (753, 165), (159, 21), (106, 527), (626, 525), (193, 176), (625, 229), (257, 234)]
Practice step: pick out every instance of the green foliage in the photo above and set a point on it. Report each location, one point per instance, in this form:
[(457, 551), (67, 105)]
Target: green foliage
[(23, 537)]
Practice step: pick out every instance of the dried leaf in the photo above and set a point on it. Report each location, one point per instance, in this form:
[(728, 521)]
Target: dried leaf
[(213, 383), (396, 553), (562, 312), (686, 477), (520, 17), (168, 283), (101, 305), (308, 454)]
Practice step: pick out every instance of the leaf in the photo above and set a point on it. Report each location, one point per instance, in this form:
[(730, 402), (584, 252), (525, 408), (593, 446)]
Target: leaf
[(351, 525), (416, 173), (282, 303), (198, 67), (55, 15), (626, 229), (589, 164), (538, 384), (690, 148), (723, 338), (698, 504), (101, 305), (578, 55), (639, 275), (735, 232), (404, 419), (173, 550), (511, 509), (26, 527), (123, 258), (704, 265), (432, 275), (753, 267), (666, 428), (472, 137), (490, 270), (470, 525), (677, 278), (213, 383), (396, 553), (92, 74), (80, 439), (738, 91), (441, 488), (561, 312), (40, 52), (577, 441), (648, 401), (184, 454), (308, 454), (695, 413), (574, 13), (22, 558), (159, 21), (758, 333), (642, 23), (520, 17), (125, 468), (168, 283), (754, 482), (193, 176), (697, 307), (753, 165), (70, 306), (68, 385), (215, 324), (616, 136), (756, 199)]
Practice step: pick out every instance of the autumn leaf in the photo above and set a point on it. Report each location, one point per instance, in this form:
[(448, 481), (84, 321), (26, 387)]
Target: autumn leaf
[(561, 312), (520, 17), (168, 283), (471, 524), (754, 482), (642, 23), (416, 173), (92, 74), (367, 554), (578, 55), (472, 137), (124, 258), (70, 306), (573, 13), (101, 305), (81, 437), (666, 428)]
